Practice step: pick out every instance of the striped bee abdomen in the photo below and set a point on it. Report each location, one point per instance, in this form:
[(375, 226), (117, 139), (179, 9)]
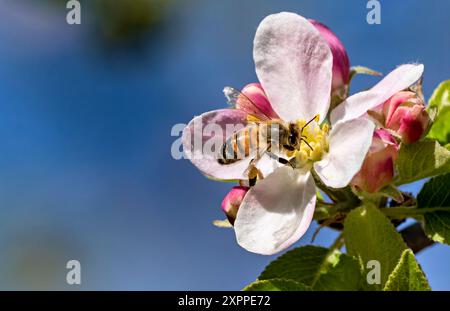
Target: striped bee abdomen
[(240, 145)]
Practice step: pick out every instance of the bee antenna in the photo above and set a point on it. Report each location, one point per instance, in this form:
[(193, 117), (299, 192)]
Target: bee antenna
[(316, 118), (307, 144)]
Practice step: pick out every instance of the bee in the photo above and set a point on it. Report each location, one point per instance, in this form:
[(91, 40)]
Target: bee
[(262, 135)]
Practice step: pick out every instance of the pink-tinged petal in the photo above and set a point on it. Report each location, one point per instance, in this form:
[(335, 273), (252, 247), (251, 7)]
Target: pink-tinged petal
[(357, 105), (377, 170), (404, 97), (276, 212), (256, 94), (232, 202), (349, 142), (341, 63), (413, 124), (382, 138), (294, 65), (377, 173), (199, 132)]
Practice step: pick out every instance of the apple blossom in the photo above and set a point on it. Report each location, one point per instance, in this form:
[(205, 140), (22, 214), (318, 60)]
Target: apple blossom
[(294, 66), (377, 170)]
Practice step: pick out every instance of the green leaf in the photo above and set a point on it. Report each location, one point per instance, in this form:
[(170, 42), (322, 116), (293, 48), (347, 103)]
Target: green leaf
[(440, 130), (441, 96), (277, 285), (436, 194), (440, 100), (319, 195), (407, 275), (369, 235), (316, 267), (421, 160)]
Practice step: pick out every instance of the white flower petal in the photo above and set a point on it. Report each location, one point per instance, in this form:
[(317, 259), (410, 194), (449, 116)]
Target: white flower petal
[(206, 162), (267, 164), (357, 105), (276, 212), (349, 142), (294, 65)]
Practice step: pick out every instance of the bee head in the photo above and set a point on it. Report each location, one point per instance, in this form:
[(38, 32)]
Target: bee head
[(294, 137)]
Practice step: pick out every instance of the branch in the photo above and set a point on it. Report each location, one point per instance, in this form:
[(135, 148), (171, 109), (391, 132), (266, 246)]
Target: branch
[(416, 238)]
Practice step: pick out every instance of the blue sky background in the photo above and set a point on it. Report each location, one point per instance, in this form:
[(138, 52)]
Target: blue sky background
[(86, 170)]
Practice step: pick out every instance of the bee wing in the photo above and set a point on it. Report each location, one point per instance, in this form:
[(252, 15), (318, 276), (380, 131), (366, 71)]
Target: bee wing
[(239, 100)]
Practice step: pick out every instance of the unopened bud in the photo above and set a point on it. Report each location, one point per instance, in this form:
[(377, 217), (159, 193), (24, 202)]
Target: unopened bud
[(232, 201), (405, 113), (341, 63), (377, 170)]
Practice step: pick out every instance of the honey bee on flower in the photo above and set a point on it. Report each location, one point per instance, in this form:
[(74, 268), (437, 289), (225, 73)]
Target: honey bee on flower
[(299, 64)]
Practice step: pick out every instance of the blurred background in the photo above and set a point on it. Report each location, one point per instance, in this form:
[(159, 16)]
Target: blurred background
[(86, 113)]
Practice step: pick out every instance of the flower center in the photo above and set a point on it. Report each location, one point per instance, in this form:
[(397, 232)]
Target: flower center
[(314, 141)]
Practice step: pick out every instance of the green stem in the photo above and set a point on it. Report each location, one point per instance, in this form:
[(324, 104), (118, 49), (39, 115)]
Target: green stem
[(328, 211), (338, 243), (404, 212)]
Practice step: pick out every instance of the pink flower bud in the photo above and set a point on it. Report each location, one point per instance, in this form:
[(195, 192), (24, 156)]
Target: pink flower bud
[(232, 201), (405, 114), (377, 170), (256, 94), (341, 63)]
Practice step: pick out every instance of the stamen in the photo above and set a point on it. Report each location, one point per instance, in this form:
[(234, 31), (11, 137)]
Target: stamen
[(314, 144), (312, 149)]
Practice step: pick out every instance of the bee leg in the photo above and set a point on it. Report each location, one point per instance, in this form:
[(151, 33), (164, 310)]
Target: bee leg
[(253, 176), (281, 160), (253, 173), (260, 175), (290, 162)]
